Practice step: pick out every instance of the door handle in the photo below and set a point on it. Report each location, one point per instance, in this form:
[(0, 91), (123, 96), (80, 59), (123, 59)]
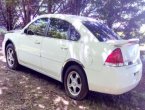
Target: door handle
[(64, 48), (37, 42)]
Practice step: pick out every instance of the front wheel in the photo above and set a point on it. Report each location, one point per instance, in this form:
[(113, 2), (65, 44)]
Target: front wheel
[(75, 83), (11, 57)]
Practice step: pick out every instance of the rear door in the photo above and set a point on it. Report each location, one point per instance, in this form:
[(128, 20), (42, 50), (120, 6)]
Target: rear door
[(56, 46), (31, 42)]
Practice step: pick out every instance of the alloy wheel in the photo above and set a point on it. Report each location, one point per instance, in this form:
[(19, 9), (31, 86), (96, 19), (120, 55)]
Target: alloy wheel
[(74, 83), (10, 57)]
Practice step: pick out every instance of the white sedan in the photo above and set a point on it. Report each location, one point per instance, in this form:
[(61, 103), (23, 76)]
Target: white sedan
[(78, 51)]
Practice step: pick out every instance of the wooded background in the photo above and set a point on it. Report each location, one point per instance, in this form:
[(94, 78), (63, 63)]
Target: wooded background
[(124, 16)]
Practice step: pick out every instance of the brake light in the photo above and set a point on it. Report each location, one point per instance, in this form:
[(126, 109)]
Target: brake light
[(115, 58)]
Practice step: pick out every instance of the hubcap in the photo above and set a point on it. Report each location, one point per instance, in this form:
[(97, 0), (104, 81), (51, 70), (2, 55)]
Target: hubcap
[(74, 83), (10, 57)]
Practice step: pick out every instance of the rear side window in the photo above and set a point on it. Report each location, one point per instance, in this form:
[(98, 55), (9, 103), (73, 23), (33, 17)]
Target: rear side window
[(73, 34), (100, 31), (62, 29)]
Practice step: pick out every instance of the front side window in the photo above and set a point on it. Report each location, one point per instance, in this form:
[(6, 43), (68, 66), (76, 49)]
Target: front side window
[(38, 27), (61, 29), (100, 31)]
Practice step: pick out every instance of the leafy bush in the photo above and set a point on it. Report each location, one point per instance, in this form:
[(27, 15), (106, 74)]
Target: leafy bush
[(2, 32)]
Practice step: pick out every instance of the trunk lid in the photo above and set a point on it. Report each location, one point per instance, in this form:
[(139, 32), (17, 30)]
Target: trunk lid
[(129, 48)]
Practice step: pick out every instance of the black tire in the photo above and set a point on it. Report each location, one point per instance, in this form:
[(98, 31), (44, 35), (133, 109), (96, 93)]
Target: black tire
[(15, 63), (82, 79)]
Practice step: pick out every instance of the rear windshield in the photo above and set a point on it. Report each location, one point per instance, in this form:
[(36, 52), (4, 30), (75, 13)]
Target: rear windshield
[(100, 31)]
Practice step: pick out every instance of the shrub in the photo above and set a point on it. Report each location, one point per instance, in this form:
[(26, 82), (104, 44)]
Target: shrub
[(2, 32)]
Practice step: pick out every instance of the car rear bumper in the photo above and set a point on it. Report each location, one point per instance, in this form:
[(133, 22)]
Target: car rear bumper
[(114, 80)]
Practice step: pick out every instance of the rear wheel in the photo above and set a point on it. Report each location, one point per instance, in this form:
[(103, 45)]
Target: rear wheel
[(75, 83), (11, 57)]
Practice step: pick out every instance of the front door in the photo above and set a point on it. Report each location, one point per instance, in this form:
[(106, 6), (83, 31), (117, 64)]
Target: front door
[(30, 44)]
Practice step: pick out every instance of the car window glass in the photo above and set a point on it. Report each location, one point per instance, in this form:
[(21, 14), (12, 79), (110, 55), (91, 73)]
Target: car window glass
[(61, 29), (38, 27), (101, 32), (73, 34)]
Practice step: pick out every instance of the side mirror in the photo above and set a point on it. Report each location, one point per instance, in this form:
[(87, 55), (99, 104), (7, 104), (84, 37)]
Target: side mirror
[(29, 32), (25, 31)]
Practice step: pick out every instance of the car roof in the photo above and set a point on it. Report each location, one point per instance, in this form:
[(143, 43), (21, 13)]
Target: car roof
[(67, 17)]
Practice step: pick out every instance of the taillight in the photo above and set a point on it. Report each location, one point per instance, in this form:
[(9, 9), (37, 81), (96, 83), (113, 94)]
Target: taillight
[(115, 58)]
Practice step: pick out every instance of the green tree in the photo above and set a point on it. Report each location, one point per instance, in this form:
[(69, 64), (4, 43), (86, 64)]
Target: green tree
[(8, 13), (128, 13)]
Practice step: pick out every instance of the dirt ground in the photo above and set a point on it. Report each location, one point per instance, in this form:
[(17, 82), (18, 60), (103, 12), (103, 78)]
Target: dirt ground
[(26, 89)]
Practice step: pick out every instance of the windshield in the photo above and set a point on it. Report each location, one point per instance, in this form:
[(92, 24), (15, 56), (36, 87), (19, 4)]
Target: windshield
[(100, 31)]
